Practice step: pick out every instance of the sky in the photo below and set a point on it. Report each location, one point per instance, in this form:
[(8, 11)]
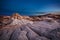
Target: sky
[(28, 7)]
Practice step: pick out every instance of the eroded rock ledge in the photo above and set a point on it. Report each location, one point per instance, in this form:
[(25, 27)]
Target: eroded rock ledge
[(17, 27)]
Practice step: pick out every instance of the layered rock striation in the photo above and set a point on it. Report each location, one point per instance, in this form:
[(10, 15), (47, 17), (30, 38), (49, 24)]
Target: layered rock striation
[(42, 27)]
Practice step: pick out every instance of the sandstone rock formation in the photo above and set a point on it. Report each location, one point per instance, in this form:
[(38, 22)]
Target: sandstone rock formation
[(5, 20), (20, 20), (18, 16), (17, 27)]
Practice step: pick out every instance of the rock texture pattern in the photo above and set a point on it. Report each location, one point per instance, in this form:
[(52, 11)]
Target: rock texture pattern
[(30, 28)]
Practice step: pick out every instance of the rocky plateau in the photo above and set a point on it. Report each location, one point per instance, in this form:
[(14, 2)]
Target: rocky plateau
[(41, 27)]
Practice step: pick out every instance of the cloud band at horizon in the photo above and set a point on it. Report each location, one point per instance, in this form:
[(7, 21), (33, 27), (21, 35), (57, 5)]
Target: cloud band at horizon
[(28, 7)]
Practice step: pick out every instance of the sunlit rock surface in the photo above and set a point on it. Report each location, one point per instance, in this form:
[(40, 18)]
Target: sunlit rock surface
[(17, 27)]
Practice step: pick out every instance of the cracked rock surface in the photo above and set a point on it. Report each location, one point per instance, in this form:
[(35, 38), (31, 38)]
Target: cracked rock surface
[(41, 30), (17, 27)]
